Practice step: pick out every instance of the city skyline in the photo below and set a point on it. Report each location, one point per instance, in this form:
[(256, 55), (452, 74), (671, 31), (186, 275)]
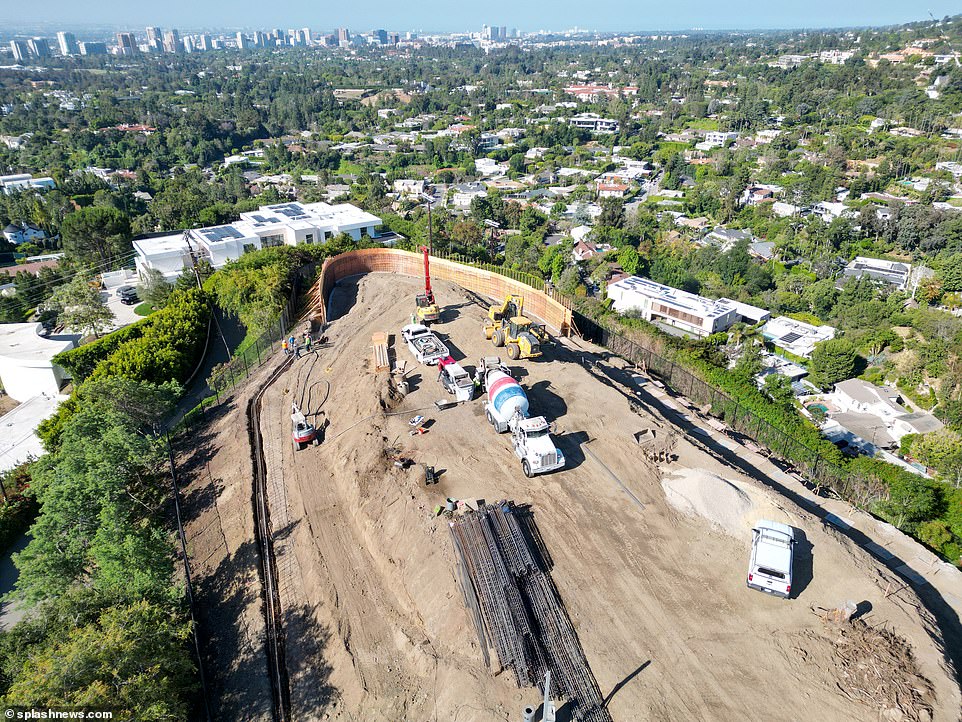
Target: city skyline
[(603, 17)]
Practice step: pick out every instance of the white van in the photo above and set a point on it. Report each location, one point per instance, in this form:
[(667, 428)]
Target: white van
[(770, 567)]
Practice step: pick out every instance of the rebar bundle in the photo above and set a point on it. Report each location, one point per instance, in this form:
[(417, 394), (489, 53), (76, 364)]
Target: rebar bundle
[(516, 608)]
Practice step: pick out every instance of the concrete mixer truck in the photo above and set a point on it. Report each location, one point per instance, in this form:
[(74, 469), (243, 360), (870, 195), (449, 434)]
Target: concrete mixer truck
[(506, 409)]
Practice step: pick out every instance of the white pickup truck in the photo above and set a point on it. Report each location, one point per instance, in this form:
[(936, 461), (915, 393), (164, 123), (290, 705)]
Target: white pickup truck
[(424, 344), (770, 567)]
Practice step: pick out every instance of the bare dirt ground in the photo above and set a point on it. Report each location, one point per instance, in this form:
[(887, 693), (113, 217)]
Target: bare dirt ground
[(375, 623)]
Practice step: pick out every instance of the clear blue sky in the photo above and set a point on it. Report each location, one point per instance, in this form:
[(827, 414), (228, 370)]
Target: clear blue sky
[(363, 15)]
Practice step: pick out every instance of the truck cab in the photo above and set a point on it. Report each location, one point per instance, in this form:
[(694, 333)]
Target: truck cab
[(770, 566), (532, 442)]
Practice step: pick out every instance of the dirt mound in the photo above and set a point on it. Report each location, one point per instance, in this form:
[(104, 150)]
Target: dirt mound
[(731, 506), (876, 667), (697, 492)]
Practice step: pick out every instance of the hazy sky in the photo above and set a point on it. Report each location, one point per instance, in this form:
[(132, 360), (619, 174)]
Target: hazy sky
[(363, 15)]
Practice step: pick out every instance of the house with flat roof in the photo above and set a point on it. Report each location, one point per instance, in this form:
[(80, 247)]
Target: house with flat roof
[(282, 224), (594, 123), (671, 307), (26, 360), (796, 337), (23, 182), (892, 272)]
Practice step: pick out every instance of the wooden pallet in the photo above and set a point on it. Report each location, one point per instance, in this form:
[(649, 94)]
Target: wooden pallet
[(381, 360)]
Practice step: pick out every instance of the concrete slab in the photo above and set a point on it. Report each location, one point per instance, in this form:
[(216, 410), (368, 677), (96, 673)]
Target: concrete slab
[(879, 551), (913, 576), (839, 522)]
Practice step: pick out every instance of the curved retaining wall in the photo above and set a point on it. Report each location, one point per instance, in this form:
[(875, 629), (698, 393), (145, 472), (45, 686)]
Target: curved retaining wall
[(391, 260)]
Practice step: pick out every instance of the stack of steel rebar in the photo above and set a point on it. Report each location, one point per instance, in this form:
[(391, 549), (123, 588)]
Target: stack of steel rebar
[(516, 608)]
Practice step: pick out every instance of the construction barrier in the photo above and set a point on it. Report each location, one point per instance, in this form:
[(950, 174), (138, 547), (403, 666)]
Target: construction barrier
[(549, 308)]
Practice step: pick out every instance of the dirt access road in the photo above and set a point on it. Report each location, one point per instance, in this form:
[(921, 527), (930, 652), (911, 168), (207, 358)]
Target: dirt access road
[(374, 618)]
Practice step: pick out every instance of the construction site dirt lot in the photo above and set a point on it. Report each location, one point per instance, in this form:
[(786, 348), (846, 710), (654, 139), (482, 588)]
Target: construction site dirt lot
[(375, 622)]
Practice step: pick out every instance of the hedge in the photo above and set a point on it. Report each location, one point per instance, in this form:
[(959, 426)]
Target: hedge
[(80, 362), (165, 347)]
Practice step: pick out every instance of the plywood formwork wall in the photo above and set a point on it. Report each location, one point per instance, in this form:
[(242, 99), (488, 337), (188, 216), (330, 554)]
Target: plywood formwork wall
[(391, 260)]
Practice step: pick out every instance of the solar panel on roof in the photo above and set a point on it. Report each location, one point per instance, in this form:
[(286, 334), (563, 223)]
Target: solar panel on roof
[(791, 337), (219, 234)]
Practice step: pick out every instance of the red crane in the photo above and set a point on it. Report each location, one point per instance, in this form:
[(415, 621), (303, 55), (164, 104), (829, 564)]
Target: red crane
[(427, 307)]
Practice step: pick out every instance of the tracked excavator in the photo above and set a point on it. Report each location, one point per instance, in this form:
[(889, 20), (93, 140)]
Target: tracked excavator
[(506, 325)]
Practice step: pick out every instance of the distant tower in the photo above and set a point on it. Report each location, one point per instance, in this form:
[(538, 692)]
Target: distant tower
[(172, 42), (242, 43), (39, 47), (68, 43), (20, 50), (343, 36), (155, 40), (307, 36), (127, 43)]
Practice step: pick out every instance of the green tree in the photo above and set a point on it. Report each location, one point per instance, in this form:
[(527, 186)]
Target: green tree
[(155, 289), (912, 500), (612, 213), (629, 260), (832, 361), (779, 389), (130, 658), (941, 450), (97, 237), (78, 306)]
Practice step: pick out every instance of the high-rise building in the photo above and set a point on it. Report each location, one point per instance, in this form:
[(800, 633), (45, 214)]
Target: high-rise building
[(155, 40), (39, 47), (172, 42), (308, 40), (242, 42), (343, 36), (127, 44), (260, 39), (20, 49), (381, 36), (89, 48), (68, 43), (189, 44), (203, 42)]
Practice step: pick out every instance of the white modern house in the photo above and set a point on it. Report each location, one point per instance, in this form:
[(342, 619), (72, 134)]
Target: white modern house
[(277, 225), (672, 307), (26, 361), (23, 182), (594, 122), (796, 337)]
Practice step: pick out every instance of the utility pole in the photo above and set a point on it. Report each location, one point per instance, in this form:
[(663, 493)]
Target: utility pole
[(200, 287)]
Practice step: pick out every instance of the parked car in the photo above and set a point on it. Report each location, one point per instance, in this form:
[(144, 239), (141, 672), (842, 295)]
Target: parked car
[(770, 567), (128, 295)]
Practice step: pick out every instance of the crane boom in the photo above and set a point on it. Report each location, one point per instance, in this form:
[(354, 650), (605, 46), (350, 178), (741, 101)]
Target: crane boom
[(427, 274)]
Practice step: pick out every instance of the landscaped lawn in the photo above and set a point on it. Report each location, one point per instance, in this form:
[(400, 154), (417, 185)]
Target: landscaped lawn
[(144, 309)]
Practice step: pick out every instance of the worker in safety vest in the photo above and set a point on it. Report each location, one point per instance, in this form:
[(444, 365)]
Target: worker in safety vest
[(307, 343), (285, 347)]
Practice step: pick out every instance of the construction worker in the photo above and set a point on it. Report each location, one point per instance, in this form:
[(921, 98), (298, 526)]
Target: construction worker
[(307, 342), (284, 346)]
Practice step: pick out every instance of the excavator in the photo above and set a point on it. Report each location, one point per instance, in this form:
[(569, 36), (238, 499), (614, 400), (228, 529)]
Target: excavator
[(506, 325), (427, 308)]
